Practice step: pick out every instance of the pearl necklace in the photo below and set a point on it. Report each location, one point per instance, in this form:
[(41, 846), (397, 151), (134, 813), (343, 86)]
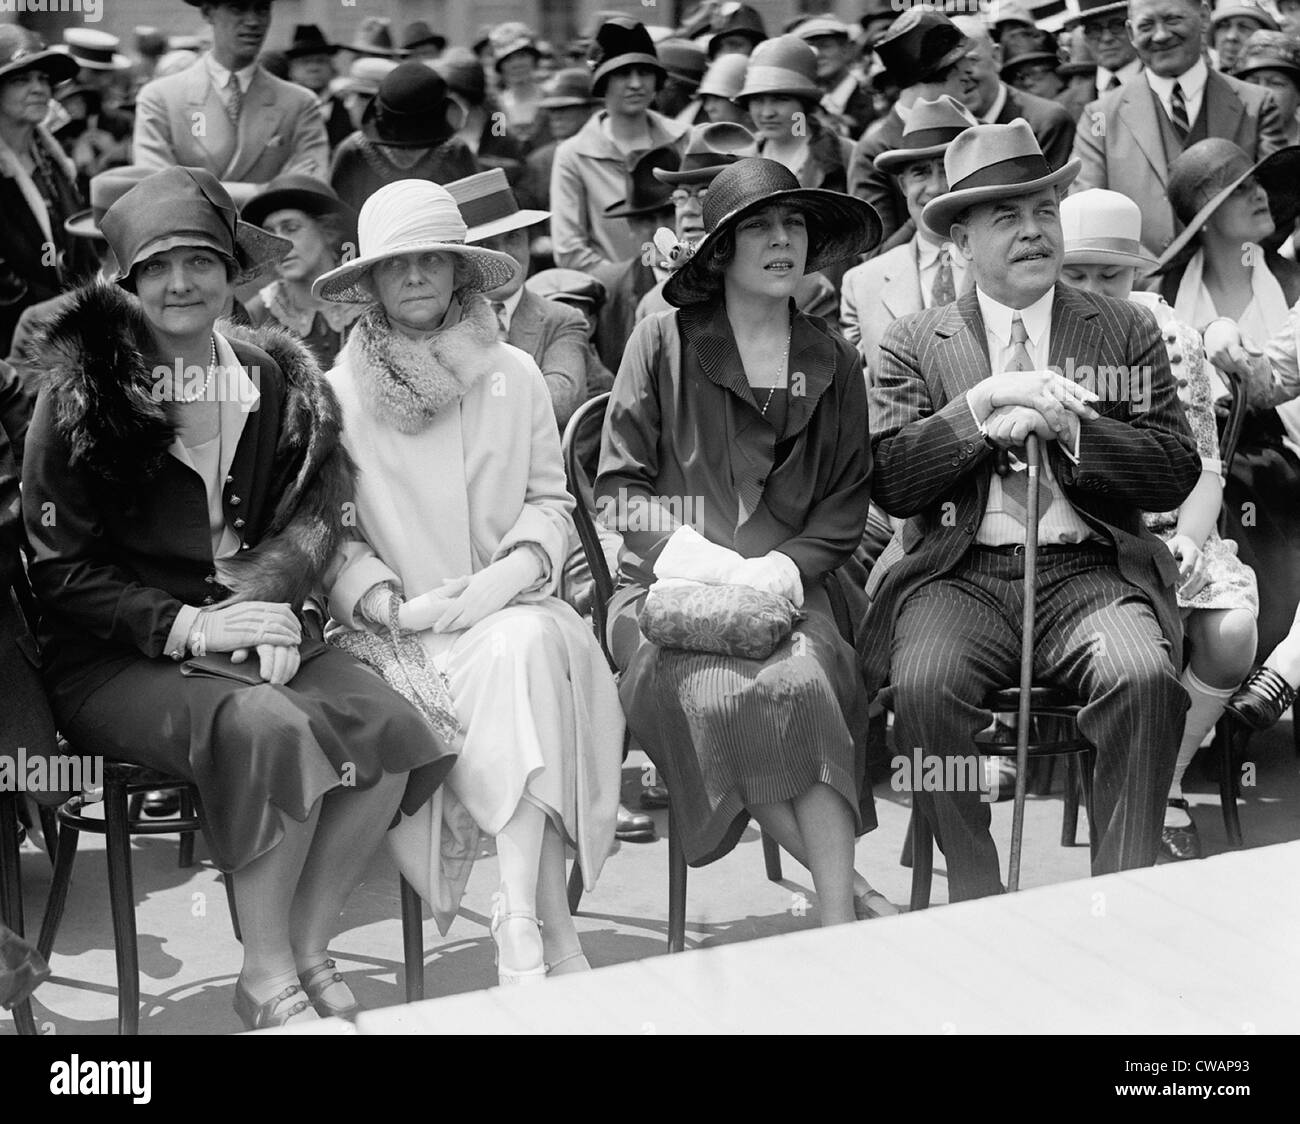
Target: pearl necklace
[(780, 370), (212, 367)]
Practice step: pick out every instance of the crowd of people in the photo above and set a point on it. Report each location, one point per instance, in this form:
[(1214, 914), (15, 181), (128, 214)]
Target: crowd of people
[(293, 336)]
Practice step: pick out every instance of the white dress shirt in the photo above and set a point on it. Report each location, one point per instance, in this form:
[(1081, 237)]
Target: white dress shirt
[(511, 303), (927, 260), (991, 116), (1130, 69), (221, 76), (1059, 523), (1193, 87)]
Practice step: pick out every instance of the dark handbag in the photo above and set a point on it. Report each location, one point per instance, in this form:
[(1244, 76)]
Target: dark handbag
[(217, 665), (723, 620)]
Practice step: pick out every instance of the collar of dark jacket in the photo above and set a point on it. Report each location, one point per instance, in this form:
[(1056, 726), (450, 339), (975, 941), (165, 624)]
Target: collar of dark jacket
[(592, 140), (812, 360)]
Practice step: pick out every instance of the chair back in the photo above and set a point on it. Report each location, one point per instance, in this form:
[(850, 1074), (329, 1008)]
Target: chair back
[(1231, 435), (581, 436)]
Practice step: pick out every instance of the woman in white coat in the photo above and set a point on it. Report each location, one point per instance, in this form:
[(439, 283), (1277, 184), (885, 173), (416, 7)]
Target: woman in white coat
[(462, 512)]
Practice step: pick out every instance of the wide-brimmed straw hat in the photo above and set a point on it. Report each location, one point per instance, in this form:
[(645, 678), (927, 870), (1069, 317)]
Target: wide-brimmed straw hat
[(20, 50), (840, 226), (106, 188), (989, 162), (1203, 177), (411, 217), (94, 50), (931, 127), (489, 207), (185, 207), (1100, 227), (785, 66), (709, 149), (298, 191)]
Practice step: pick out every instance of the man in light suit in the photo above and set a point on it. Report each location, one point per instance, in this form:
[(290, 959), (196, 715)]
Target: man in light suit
[(922, 272), (227, 114), (1127, 139), (959, 389)]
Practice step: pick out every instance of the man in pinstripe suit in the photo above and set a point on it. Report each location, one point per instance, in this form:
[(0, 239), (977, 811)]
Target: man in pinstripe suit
[(959, 388)]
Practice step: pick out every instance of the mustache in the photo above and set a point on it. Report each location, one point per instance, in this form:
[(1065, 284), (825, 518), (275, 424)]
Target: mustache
[(1038, 250)]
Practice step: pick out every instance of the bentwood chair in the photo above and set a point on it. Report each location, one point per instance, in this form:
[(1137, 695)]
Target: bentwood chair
[(11, 886), (580, 447)]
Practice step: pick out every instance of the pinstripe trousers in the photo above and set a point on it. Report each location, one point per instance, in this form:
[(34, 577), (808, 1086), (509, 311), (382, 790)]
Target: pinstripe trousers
[(957, 639)]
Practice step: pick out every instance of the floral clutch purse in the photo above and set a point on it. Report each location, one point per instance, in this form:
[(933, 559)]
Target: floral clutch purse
[(724, 620)]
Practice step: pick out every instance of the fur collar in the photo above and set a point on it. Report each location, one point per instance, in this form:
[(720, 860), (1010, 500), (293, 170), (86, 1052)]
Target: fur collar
[(90, 356), (404, 383)]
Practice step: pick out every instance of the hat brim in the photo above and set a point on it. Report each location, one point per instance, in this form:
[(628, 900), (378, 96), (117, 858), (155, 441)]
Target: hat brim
[(1011, 67), (346, 284), (848, 226), (567, 103), (695, 175), (301, 52), (1285, 68), (370, 127), (896, 159), (315, 203), (1071, 69), (621, 62), (84, 225), (520, 220), (256, 251), (60, 66), (1279, 175), (118, 62), (805, 93), (1080, 253), (621, 210), (939, 213), (1093, 13)]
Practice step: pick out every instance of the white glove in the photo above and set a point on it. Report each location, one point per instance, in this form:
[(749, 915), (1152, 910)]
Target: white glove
[(688, 554), (773, 573)]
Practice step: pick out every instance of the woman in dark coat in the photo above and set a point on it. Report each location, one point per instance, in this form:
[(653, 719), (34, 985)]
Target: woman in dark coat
[(758, 415), (405, 134), (38, 258), (173, 519)]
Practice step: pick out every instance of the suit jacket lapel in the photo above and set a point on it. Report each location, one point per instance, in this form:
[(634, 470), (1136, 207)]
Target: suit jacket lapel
[(900, 289), (963, 346), (526, 323), (1223, 109), (1137, 109), (259, 121), (1075, 347)]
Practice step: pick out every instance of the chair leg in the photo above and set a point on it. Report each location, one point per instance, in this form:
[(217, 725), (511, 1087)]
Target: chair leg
[(121, 896), (1295, 726), (676, 888), (771, 857), (11, 895), (412, 940), (575, 886), (185, 859), (1233, 748), (1070, 816), (229, 881), (1089, 766), (58, 897), (50, 829), (918, 832)]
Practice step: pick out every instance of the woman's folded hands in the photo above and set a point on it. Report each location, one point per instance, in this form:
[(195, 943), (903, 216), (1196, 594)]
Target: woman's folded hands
[(689, 556), (460, 603), (268, 627)]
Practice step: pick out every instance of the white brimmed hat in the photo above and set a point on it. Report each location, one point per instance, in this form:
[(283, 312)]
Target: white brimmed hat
[(411, 217), (488, 206), (1100, 227)]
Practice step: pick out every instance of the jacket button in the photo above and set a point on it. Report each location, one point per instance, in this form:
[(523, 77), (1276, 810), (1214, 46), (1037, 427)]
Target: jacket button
[(208, 600), (243, 546), (956, 460), (230, 479), (209, 578), (235, 501), (969, 528), (238, 523)]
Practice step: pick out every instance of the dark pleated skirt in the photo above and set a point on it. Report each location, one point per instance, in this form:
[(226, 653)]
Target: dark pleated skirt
[(260, 753), (727, 732)]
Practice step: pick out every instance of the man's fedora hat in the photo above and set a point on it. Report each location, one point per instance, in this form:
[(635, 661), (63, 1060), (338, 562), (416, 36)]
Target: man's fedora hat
[(298, 191), (308, 39), (1203, 177), (1008, 11), (364, 76), (683, 60), (725, 77), (920, 45), (709, 149), (411, 217), (822, 27), (931, 127), (1080, 11), (1100, 227), (417, 33), (644, 193), (1263, 14), (1014, 60), (488, 206), (20, 50), (566, 89), (786, 66), (621, 42), (840, 226), (374, 39), (106, 188), (1270, 50), (94, 50), (411, 109), (989, 162), (185, 207), (735, 19)]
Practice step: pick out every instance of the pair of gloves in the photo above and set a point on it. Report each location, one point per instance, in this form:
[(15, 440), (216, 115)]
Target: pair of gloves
[(689, 556), (460, 603)]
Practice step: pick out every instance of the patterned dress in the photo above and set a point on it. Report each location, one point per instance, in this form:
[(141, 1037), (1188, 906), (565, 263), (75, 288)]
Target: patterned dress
[(1230, 582)]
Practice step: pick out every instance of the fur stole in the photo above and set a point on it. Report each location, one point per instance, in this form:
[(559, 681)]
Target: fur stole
[(90, 356), (405, 383)]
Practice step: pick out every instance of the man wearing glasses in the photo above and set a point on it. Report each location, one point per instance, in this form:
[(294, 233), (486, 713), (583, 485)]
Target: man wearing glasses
[(1127, 138), (1105, 28)]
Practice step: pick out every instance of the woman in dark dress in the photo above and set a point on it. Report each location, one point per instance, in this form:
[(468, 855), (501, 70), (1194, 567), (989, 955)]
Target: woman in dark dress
[(183, 491), (758, 415), (38, 193)]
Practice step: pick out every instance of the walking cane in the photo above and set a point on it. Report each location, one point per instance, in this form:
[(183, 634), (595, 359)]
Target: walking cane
[(1026, 658)]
